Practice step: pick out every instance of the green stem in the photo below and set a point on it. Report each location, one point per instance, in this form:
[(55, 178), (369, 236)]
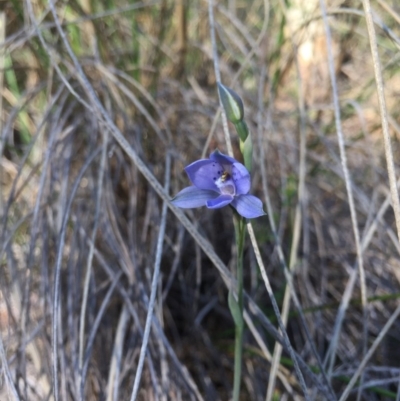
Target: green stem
[(240, 231)]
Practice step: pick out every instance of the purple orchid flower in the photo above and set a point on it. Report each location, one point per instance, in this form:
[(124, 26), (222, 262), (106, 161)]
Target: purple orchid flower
[(219, 181)]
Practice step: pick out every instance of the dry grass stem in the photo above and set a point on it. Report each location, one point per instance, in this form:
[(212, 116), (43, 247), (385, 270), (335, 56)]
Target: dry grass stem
[(105, 295)]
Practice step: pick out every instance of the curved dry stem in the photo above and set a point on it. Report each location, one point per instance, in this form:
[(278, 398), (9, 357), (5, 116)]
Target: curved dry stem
[(349, 189), (218, 76), (383, 113), (90, 257), (167, 116), (7, 374), (369, 354), (154, 285), (298, 219), (56, 316), (281, 257), (277, 313)]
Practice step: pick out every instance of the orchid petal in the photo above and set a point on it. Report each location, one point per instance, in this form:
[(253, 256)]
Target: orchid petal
[(248, 206), (221, 201), (193, 197), (203, 174), (222, 159), (241, 178)]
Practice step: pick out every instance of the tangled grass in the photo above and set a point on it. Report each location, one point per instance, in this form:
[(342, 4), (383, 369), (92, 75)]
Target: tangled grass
[(103, 104)]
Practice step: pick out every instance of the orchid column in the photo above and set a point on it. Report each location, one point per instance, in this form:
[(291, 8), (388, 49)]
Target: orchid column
[(220, 181)]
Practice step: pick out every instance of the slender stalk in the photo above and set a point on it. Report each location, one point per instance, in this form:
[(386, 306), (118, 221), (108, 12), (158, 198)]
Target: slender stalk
[(240, 233), (384, 114), (218, 76)]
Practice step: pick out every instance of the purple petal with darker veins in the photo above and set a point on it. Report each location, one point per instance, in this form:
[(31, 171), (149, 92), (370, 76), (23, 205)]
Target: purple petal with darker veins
[(193, 197), (203, 173), (222, 159), (221, 201), (248, 206), (241, 178)]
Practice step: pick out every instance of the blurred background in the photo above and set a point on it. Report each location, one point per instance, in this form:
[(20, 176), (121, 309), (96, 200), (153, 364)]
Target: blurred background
[(79, 222)]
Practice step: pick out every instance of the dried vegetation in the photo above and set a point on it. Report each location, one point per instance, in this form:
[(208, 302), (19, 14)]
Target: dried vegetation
[(82, 227)]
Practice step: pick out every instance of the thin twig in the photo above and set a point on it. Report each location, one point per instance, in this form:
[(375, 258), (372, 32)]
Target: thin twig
[(218, 76), (331, 394), (367, 357), (90, 257), (6, 371), (383, 112), (154, 284), (57, 274), (94, 329), (116, 360), (276, 311), (298, 218), (347, 179), (142, 167)]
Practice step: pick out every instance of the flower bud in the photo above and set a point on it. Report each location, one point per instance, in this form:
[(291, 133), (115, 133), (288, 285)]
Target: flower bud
[(242, 130), (232, 103)]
